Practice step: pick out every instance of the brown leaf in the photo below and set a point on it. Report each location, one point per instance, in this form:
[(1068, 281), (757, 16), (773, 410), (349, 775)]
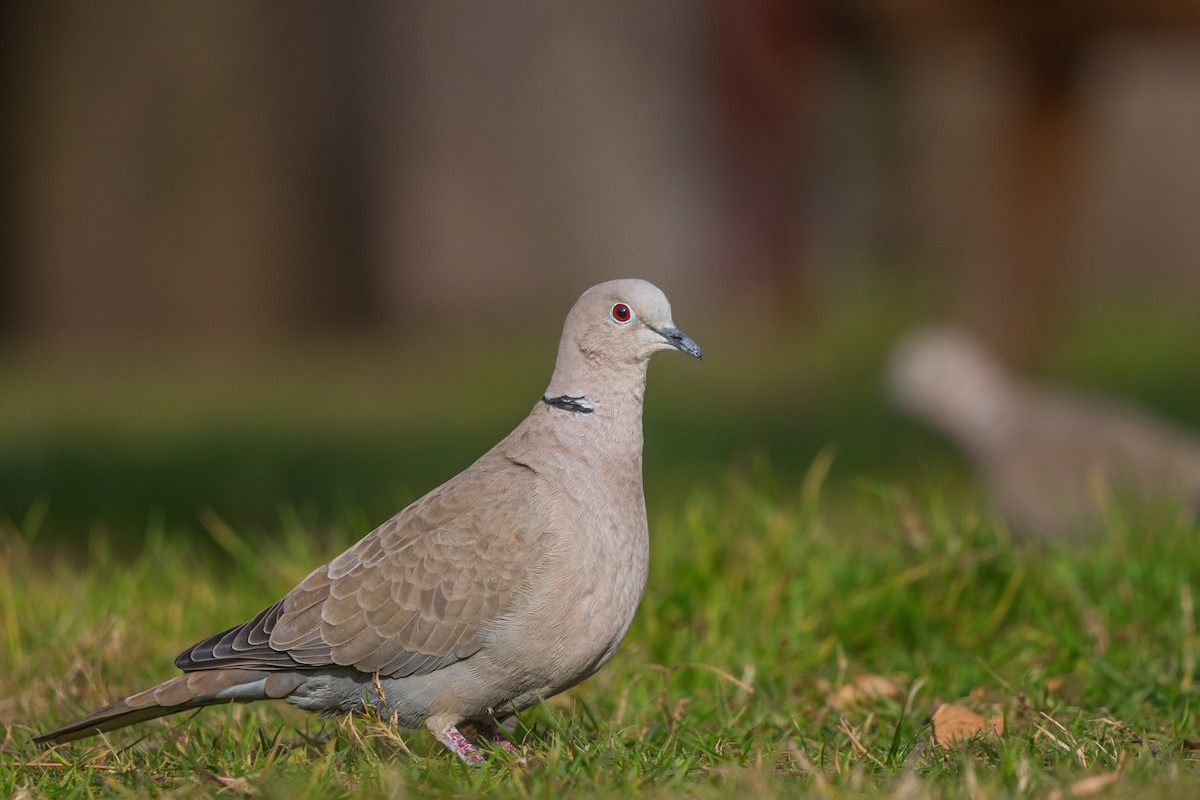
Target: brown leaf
[(953, 724), (1055, 684), (1093, 784), (862, 688), (239, 785), (1086, 787)]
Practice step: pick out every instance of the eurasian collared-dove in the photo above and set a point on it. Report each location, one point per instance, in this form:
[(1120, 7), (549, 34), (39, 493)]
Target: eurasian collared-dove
[(1047, 458), (509, 583)]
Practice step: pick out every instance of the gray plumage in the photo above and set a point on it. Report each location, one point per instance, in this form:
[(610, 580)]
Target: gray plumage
[(1048, 459), (509, 583)]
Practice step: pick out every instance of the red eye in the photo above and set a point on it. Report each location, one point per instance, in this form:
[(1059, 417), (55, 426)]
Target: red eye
[(621, 313)]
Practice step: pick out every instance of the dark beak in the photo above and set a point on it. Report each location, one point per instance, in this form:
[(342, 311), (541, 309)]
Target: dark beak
[(681, 341)]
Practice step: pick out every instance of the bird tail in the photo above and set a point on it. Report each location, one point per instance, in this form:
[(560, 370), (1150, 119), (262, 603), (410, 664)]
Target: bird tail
[(190, 690)]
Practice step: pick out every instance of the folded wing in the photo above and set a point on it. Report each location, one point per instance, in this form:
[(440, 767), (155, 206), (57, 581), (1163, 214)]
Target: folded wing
[(416, 594)]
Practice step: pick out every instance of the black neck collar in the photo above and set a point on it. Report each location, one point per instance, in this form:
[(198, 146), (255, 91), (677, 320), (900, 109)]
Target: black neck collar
[(575, 405)]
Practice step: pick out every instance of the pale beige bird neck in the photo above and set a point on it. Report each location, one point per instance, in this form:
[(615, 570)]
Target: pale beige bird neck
[(608, 385)]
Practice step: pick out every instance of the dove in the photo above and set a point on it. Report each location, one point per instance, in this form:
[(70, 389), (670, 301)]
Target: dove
[(511, 582), (1047, 458)]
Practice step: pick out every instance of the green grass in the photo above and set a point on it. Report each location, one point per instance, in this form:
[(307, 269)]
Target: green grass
[(763, 602)]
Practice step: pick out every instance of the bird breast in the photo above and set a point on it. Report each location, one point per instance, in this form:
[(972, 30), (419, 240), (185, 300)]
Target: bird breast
[(581, 596)]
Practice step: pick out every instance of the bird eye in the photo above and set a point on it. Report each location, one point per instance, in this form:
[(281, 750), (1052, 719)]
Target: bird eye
[(621, 313)]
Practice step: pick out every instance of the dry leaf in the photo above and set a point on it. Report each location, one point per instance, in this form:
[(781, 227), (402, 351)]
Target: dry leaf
[(953, 724), (860, 689), (1055, 684), (1086, 787), (873, 686), (239, 785)]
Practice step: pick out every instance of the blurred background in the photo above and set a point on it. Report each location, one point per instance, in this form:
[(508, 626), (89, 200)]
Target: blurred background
[(312, 261)]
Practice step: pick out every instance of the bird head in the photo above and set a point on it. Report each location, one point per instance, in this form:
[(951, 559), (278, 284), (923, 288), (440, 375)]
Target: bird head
[(615, 327)]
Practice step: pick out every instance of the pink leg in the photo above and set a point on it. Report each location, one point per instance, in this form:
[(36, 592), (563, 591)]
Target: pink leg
[(460, 745)]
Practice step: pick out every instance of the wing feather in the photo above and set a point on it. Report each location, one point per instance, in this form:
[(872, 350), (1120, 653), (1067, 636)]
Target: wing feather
[(416, 594)]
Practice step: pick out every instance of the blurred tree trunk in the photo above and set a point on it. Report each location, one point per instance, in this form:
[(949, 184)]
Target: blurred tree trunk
[(765, 64), (181, 173), (1017, 278)]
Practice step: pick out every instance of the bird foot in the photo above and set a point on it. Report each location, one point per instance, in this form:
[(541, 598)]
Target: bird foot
[(461, 746), (457, 742)]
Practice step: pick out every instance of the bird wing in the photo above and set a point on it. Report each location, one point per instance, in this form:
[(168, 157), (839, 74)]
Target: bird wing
[(416, 594)]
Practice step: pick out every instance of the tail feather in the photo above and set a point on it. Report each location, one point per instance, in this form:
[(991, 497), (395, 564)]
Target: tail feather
[(190, 690), (109, 718)]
